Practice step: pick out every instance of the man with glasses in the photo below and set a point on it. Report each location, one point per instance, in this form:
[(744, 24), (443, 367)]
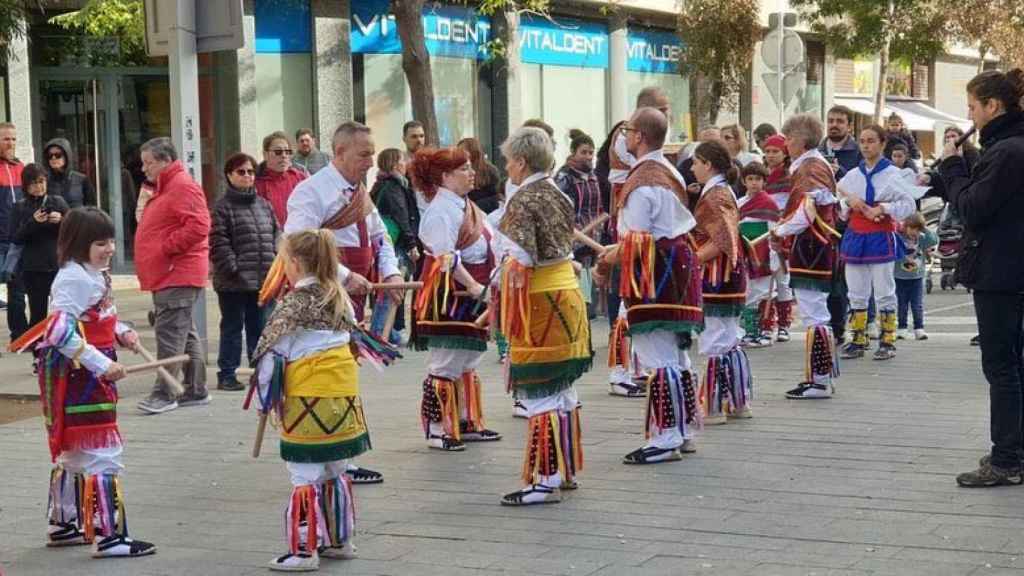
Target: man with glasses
[(276, 177), (10, 193)]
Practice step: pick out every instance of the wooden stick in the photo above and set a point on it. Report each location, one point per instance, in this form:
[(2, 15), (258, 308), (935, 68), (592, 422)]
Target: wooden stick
[(396, 286), (170, 380), (245, 371), (261, 429), (482, 320), (389, 322), (157, 364), (595, 223), (588, 241)]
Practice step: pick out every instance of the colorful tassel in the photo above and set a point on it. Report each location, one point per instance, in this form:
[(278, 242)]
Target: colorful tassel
[(821, 362), (303, 508), (515, 301), (103, 499), (671, 402), (472, 401), (338, 510), (554, 445), (637, 279), (618, 344), (440, 404)]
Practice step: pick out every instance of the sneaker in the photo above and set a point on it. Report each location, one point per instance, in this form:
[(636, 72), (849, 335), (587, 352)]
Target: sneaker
[(988, 475), (920, 334), (809, 391), (765, 340), (885, 352), (190, 399), (741, 414), (155, 404), (782, 335), (296, 563), (230, 385), (519, 410), (63, 534), (346, 551), (626, 390), (902, 334), (121, 547), (748, 341), (852, 350), (873, 331)]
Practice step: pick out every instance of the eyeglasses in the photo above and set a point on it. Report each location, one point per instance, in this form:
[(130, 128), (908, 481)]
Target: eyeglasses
[(630, 129), (244, 172), (53, 155), (282, 152)]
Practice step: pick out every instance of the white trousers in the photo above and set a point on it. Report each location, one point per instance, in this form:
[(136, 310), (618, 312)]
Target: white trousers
[(315, 473), (758, 289), (720, 335), (92, 461), (813, 307), (452, 363), (780, 279), (660, 349), (861, 279)]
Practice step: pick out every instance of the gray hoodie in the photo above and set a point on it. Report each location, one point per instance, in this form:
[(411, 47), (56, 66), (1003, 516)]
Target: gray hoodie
[(73, 186)]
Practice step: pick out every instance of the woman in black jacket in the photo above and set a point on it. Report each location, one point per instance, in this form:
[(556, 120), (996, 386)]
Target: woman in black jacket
[(243, 238), (396, 203), (991, 204), (35, 220), (64, 180)]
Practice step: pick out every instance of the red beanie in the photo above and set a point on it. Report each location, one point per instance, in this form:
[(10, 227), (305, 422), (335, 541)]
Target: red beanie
[(775, 141)]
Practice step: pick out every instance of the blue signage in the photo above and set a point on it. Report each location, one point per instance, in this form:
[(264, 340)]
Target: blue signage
[(653, 51), (563, 42), (454, 31), (283, 27)]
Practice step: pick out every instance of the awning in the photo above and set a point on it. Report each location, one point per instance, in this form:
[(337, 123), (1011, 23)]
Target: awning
[(917, 116)]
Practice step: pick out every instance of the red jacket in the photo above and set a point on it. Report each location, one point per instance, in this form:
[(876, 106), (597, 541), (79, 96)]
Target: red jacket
[(276, 187), (172, 247)]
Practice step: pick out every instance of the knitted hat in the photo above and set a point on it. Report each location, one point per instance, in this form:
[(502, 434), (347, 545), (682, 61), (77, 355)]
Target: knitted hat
[(775, 141)]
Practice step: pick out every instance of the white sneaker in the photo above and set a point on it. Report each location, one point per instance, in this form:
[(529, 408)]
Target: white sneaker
[(902, 334), (296, 563), (920, 334), (346, 551), (519, 411)]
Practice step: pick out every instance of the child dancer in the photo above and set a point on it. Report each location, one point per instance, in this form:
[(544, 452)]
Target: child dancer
[(308, 377), (757, 212), (911, 272), (780, 311), (79, 367), (728, 385)]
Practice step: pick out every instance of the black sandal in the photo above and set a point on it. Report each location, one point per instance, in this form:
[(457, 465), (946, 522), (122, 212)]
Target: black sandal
[(517, 498), (484, 435), (448, 444), (570, 485), (644, 456), (359, 475), (632, 390)]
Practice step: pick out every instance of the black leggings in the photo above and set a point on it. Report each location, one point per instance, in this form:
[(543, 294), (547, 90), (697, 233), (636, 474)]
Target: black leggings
[(37, 286)]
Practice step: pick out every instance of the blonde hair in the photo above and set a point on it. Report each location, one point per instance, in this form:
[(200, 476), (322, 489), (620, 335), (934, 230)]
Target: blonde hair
[(316, 251)]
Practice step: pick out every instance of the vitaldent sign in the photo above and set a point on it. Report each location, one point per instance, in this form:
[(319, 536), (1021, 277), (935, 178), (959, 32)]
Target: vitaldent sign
[(655, 51)]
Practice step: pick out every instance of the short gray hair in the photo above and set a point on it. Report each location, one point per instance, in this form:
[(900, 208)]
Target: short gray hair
[(344, 133), (805, 128), (648, 96), (531, 145), (161, 148)]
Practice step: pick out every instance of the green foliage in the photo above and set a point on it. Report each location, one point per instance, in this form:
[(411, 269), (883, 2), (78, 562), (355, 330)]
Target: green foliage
[(13, 15), (917, 28), (123, 20)]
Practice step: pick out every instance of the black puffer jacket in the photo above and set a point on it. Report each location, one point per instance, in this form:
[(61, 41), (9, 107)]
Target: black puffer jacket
[(72, 185), (39, 239), (243, 238), (990, 202)]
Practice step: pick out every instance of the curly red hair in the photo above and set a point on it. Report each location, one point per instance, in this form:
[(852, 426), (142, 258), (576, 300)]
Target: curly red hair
[(430, 164)]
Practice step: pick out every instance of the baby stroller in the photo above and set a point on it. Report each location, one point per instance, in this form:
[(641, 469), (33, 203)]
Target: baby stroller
[(951, 233)]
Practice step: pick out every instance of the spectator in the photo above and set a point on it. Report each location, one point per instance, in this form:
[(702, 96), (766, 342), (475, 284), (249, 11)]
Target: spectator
[(36, 220), (414, 137), (243, 240), (910, 273), (309, 157), (735, 139), (72, 185), (762, 133), (576, 179), (172, 260), (898, 134), (899, 155), (10, 194), (485, 183), (839, 147), (685, 165), (396, 202), (275, 176), (991, 263)]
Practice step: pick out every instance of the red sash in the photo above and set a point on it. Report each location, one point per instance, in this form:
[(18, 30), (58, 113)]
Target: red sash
[(861, 225)]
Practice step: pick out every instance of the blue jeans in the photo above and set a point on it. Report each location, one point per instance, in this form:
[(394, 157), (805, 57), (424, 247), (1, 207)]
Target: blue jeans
[(238, 310), (910, 294)]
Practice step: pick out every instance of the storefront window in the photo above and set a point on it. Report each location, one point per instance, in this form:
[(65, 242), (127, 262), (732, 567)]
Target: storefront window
[(566, 98), (678, 89), (284, 66)]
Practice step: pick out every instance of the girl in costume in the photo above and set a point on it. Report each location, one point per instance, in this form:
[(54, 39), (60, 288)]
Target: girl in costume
[(456, 276), (545, 319), (777, 315), (728, 385), (874, 197), (307, 376), (77, 378), (757, 212)]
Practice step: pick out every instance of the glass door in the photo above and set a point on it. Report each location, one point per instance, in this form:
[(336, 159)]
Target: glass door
[(74, 110)]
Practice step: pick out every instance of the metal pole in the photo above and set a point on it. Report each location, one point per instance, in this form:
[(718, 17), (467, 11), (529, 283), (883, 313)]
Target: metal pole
[(782, 61), (184, 80), (96, 145)]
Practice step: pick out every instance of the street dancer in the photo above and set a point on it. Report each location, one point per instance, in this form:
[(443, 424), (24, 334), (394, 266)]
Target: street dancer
[(807, 226), (873, 198), (758, 212), (660, 286), (456, 282), (778, 315), (728, 385), (545, 319)]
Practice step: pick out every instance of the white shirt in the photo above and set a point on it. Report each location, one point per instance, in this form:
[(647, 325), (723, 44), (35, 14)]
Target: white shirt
[(77, 288), (656, 209), (439, 229), (300, 343), (619, 149), (320, 197), (892, 191)]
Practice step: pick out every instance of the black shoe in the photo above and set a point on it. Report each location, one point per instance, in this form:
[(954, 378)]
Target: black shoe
[(484, 435), (976, 341), (652, 456), (852, 350), (364, 476), (809, 391), (536, 494), (230, 385), (122, 547), (885, 352)]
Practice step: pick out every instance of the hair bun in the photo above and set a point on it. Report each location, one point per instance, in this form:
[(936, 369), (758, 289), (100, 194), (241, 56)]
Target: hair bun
[(575, 133)]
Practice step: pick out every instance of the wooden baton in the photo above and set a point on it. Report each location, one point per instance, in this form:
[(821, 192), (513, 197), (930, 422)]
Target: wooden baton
[(261, 429), (156, 364), (595, 223), (170, 380), (588, 241), (396, 286)]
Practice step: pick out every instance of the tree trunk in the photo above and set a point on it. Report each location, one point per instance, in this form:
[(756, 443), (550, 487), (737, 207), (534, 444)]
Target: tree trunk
[(982, 52), (883, 66), (704, 106), (416, 64)]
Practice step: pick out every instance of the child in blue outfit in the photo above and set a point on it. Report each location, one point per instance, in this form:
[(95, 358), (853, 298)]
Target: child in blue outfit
[(910, 273)]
